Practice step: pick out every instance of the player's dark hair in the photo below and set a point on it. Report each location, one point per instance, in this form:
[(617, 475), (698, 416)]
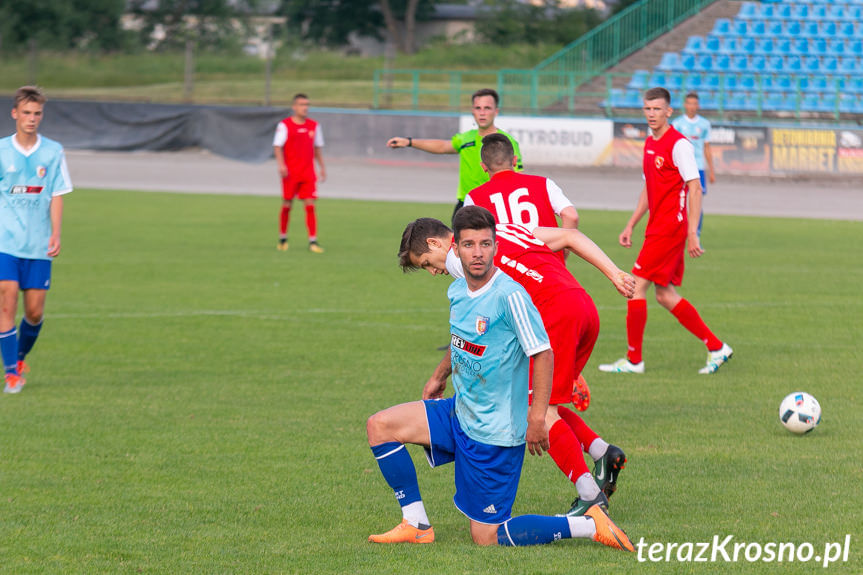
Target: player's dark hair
[(414, 240), (692, 95), (497, 151), (299, 96), (28, 94), (473, 218), (658, 94), (486, 92)]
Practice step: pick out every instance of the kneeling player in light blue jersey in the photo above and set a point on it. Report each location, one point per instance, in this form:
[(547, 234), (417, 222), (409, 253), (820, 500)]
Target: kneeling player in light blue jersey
[(33, 180), (484, 427)]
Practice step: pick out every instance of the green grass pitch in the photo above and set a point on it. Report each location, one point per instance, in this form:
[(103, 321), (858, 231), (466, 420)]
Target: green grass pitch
[(197, 400)]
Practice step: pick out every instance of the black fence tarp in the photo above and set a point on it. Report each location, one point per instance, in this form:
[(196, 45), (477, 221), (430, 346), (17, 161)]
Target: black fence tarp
[(240, 133)]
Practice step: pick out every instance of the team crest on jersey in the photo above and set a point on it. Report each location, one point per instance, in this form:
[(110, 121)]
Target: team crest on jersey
[(41, 171), (660, 161), (481, 324)]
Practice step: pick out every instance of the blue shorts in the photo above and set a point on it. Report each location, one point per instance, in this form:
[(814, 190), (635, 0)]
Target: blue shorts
[(30, 274), (486, 476), (703, 181)]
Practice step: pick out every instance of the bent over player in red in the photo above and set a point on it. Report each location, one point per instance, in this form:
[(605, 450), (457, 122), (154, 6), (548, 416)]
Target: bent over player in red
[(670, 174), (297, 145), (569, 317)]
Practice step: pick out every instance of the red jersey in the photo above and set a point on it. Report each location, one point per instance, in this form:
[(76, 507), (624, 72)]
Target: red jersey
[(298, 143), (666, 179), (527, 260)]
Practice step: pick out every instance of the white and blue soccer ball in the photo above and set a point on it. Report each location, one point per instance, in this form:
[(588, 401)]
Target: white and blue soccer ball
[(799, 412)]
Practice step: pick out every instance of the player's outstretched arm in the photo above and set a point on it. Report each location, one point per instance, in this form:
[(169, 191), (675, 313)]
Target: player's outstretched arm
[(436, 384), (537, 432), (625, 237), (430, 146), (582, 246), (694, 243)]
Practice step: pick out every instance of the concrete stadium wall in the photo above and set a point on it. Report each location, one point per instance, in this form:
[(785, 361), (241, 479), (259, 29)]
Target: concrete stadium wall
[(245, 133)]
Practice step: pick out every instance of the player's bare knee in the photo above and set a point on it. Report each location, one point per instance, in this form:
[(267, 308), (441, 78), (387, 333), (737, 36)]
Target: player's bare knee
[(483, 534), (378, 428)]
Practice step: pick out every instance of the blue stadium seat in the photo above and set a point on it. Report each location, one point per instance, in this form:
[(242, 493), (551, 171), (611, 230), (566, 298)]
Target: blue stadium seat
[(849, 65), (739, 64), (721, 27), (792, 28), (836, 47), (810, 29), (749, 10), (728, 82), (799, 83), (846, 30), (836, 12), (811, 64), (782, 46), (758, 63), (674, 81), (828, 28), (855, 85), (746, 45), (855, 47), (849, 103), (747, 82), (728, 44), (810, 102), (737, 101), (694, 45), (712, 44), (819, 83), (658, 79), (782, 82), (704, 63), (829, 64), (764, 46), (767, 83), (768, 11), (687, 63), (639, 80), (855, 13), (817, 12), (670, 61), (708, 101), (632, 99), (775, 28), (797, 11), (711, 81), (693, 82), (739, 28), (793, 63), (758, 27), (798, 46), (817, 46), (776, 64), (778, 101)]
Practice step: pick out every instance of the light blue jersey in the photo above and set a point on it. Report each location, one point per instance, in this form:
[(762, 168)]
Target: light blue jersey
[(697, 131), (29, 179), (494, 331)]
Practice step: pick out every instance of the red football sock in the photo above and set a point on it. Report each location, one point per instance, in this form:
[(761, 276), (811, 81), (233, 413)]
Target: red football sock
[(284, 219), (583, 433), (311, 222), (564, 449), (636, 319), (688, 317)]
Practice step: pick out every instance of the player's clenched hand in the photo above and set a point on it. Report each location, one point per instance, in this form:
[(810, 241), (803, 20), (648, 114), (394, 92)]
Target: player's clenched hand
[(397, 143), (434, 388), (536, 437), (54, 246), (694, 245), (625, 237), (283, 171), (625, 284), (322, 174)]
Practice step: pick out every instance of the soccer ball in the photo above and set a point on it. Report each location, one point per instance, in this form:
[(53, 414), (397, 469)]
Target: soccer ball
[(799, 412)]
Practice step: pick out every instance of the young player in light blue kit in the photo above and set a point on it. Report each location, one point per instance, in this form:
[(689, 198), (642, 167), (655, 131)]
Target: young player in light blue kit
[(483, 428), (33, 180), (696, 128)]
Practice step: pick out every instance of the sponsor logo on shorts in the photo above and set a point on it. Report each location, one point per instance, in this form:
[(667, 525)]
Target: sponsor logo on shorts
[(465, 345), (490, 509), (26, 189)]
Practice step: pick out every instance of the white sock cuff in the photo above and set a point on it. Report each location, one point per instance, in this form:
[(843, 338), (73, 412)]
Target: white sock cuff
[(598, 448)]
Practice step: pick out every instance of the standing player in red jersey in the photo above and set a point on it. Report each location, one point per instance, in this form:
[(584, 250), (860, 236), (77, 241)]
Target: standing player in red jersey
[(568, 315), (670, 173), (513, 198), (297, 145)]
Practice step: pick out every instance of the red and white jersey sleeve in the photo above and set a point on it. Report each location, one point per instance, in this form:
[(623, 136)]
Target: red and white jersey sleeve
[(683, 155), (556, 197), (281, 135)]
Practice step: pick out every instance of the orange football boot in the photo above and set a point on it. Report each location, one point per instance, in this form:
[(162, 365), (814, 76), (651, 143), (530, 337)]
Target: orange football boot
[(404, 532), (607, 532)]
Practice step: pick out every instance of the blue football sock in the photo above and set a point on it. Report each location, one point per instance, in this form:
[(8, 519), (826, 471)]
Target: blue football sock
[(398, 469), (28, 334), (9, 350), (533, 530)]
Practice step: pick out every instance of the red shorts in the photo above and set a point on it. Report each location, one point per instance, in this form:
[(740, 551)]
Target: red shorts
[(302, 189), (572, 324), (661, 260)]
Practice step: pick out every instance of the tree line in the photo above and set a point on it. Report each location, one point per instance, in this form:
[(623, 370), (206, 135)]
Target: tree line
[(97, 24)]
